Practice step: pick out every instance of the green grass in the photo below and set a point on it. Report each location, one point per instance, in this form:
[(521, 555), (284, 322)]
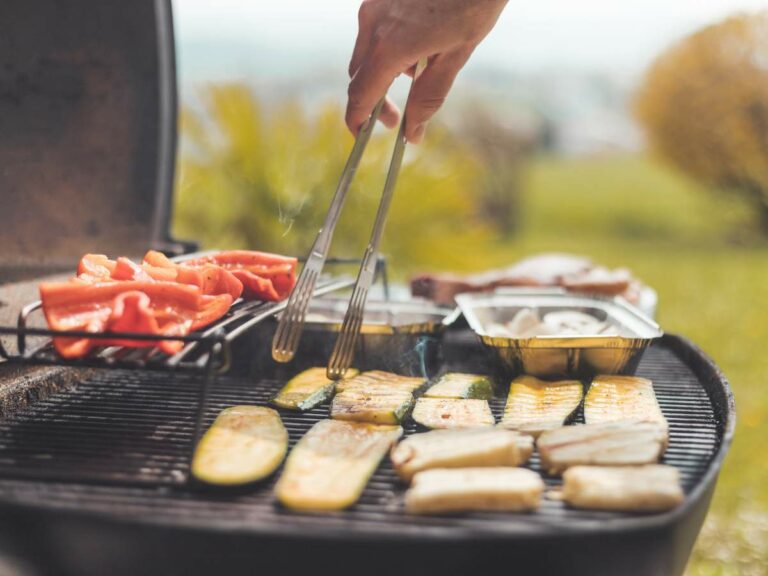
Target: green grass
[(712, 288)]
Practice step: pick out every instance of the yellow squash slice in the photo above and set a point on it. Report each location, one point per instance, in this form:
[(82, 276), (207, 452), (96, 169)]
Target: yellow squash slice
[(456, 385), (330, 467), (307, 390), (244, 444), (535, 405), (452, 413), (621, 399)]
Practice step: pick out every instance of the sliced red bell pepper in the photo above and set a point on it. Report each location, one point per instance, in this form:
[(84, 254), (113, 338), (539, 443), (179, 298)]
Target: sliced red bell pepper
[(264, 276), (147, 307), (210, 279)]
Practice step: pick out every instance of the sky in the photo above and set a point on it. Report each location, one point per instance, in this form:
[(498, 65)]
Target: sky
[(532, 35)]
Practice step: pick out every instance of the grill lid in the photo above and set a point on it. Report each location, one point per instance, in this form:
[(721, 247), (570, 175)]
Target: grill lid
[(88, 102)]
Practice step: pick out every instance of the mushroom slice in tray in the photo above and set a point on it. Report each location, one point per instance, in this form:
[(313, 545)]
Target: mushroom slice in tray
[(464, 448), (652, 488), (535, 405), (244, 444), (611, 444), (330, 466), (622, 398), (457, 385), (452, 413), (467, 489), (307, 390)]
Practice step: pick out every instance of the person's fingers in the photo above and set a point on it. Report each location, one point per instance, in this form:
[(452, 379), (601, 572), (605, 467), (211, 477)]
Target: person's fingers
[(371, 81), (430, 90), (365, 27), (390, 113)]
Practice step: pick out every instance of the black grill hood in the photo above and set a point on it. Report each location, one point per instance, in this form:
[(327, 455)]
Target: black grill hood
[(87, 131)]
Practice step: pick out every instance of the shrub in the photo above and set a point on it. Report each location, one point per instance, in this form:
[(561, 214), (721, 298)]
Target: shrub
[(704, 105)]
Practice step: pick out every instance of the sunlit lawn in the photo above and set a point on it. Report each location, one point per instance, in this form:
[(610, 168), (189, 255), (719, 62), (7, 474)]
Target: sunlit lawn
[(713, 287)]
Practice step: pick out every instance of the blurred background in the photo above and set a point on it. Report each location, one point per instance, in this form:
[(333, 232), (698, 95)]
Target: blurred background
[(633, 132)]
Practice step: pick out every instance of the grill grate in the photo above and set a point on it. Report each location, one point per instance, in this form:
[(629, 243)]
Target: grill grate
[(118, 444)]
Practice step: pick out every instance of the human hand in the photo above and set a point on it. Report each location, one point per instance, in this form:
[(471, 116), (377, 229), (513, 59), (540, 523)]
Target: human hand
[(395, 34)]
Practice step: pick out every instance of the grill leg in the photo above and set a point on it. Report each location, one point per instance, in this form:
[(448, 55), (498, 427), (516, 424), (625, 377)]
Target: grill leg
[(209, 376)]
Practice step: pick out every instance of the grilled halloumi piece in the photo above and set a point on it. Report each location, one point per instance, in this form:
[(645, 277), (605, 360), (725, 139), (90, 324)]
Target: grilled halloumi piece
[(456, 385), (464, 448), (467, 489), (330, 466), (622, 398), (307, 389), (652, 488), (380, 380), (388, 407), (611, 444), (244, 444), (535, 405), (452, 413)]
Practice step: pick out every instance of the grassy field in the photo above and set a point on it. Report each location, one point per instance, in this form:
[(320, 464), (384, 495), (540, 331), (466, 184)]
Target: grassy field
[(712, 286)]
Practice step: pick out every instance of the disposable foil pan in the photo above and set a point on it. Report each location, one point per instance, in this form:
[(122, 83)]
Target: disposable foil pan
[(555, 356), (399, 336)]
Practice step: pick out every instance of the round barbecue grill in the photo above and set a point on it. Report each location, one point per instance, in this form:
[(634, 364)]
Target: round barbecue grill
[(94, 478)]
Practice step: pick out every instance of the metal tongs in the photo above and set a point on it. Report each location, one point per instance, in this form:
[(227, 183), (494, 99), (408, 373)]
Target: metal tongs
[(291, 323)]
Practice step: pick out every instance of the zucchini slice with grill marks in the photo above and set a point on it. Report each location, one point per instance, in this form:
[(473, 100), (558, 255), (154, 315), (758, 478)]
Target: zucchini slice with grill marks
[(244, 444), (452, 413), (620, 399), (307, 390), (331, 465), (467, 386), (382, 381), (534, 405), (377, 407)]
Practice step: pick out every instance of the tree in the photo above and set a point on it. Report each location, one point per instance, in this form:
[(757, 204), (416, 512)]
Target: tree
[(704, 105)]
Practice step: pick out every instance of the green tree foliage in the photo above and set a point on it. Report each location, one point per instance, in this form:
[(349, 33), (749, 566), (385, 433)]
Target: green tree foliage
[(704, 105), (261, 177)]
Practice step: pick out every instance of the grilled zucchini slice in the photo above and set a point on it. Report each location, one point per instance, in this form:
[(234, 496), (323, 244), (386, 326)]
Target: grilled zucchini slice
[(307, 390), (452, 413), (377, 407), (244, 444), (380, 381), (467, 489), (622, 398), (465, 448), (535, 405), (331, 465), (456, 385)]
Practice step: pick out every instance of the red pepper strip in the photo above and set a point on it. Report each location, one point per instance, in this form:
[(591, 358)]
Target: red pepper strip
[(211, 279), (162, 308), (264, 276)]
